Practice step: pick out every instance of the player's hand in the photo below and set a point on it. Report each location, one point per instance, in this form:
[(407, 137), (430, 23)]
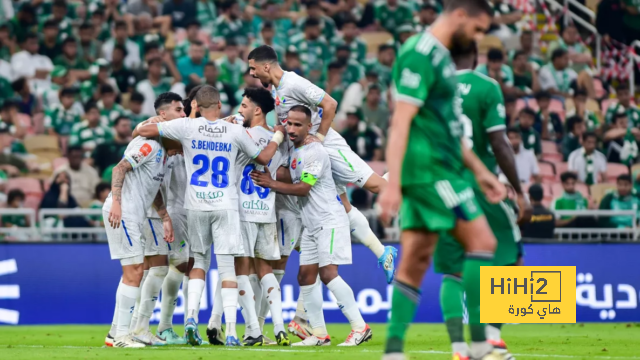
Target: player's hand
[(262, 179), (280, 128), (525, 210), (230, 119), (311, 139), (389, 202), (167, 226), (115, 215), (493, 189)]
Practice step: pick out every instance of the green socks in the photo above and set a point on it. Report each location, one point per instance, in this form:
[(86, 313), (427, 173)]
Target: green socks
[(452, 304), (471, 280), (404, 304)]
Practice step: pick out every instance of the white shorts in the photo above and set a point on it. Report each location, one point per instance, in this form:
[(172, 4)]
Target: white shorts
[(125, 242), (259, 240), (220, 228), (179, 248), (289, 231), (326, 246), (153, 235), (347, 167)]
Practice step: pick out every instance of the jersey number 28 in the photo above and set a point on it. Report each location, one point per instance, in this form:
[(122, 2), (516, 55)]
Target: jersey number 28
[(219, 171)]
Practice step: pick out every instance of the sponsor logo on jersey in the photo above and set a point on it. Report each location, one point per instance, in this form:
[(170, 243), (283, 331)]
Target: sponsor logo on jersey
[(145, 149), (209, 195), (212, 131), (410, 79), (294, 163), (255, 205), (159, 156)]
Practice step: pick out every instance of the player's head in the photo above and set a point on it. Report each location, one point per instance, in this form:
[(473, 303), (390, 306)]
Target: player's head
[(560, 58), (122, 127), (495, 59), (256, 104), (621, 120), (15, 198), (569, 179), (470, 19), (624, 184), (623, 94), (102, 191), (92, 113), (262, 60), (298, 123), (208, 101), (466, 58), (107, 95), (169, 106)]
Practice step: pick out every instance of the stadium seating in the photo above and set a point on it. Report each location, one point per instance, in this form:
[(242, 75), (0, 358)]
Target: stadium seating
[(46, 146), (489, 42), (547, 171), (599, 190), (615, 170), (560, 168), (375, 39)]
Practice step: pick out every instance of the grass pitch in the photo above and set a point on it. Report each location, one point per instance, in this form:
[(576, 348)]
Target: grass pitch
[(425, 341)]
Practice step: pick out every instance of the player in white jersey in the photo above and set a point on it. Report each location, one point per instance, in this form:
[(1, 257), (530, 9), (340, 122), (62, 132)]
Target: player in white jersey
[(257, 285), (168, 106), (211, 147), (137, 178), (325, 242)]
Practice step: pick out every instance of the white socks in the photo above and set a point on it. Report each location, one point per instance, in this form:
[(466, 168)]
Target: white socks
[(215, 321), (492, 333), (247, 300), (114, 322), (362, 232), (273, 296), (149, 293), (230, 303), (134, 318), (196, 287), (185, 295), (127, 301), (300, 312), (347, 302), (279, 274), (313, 303), (170, 288)]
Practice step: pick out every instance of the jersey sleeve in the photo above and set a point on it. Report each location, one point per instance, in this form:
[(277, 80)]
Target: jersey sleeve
[(313, 165), (174, 129), (413, 74), (246, 144), (141, 151), (495, 116), (306, 92)]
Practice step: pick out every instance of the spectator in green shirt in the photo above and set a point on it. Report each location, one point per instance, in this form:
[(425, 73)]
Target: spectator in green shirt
[(527, 46), (110, 153), (109, 109), (135, 109), (89, 47), (60, 119), (547, 123), (496, 69), (623, 105), (15, 200), (525, 78), (59, 12), (193, 33), (428, 14), (50, 45), (102, 192), (623, 198), (90, 133), (7, 42), (575, 129), (313, 50), (530, 137), (631, 20), (382, 65), (351, 39), (353, 71), (505, 18), (390, 14), (315, 11), (77, 66), (334, 85), (579, 54), (230, 26), (569, 200), (231, 66), (191, 67), (23, 22)]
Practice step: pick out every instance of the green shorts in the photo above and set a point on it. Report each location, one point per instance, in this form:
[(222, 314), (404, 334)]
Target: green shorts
[(436, 207), (449, 254)]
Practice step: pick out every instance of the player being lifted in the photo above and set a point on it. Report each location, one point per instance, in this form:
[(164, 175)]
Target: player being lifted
[(258, 230), (290, 89), (325, 242), (483, 118), (137, 179), (169, 106), (426, 159), (210, 149)]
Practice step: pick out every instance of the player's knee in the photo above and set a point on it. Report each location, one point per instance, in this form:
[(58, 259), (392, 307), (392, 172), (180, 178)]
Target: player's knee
[(486, 243), (182, 267), (328, 273), (132, 274), (306, 277), (226, 268), (159, 271)]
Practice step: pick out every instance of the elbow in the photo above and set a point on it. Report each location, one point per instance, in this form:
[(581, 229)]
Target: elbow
[(262, 160)]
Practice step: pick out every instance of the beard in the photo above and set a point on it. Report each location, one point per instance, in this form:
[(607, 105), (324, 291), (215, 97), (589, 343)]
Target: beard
[(461, 44)]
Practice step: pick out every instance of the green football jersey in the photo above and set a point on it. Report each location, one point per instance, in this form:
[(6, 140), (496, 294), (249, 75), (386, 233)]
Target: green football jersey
[(89, 137), (424, 75), (61, 119), (483, 112)]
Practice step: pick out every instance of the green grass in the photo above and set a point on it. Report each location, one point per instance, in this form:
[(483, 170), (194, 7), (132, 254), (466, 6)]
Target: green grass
[(425, 341)]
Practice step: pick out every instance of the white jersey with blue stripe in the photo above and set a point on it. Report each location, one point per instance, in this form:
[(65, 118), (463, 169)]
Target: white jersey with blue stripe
[(210, 151)]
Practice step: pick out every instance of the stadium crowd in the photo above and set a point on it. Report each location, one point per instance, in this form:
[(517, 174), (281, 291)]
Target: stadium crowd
[(77, 76)]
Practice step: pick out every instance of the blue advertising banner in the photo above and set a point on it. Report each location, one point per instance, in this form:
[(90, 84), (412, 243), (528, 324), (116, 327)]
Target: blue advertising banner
[(76, 283)]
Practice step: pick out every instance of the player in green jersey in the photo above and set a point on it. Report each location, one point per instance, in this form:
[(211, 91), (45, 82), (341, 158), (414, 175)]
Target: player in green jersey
[(483, 117), (426, 161)]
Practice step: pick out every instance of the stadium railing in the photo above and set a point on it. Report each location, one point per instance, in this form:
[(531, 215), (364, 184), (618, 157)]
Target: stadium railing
[(597, 233), (20, 233)]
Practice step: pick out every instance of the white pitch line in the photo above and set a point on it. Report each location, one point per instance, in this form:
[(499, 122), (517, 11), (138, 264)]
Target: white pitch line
[(220, 348)]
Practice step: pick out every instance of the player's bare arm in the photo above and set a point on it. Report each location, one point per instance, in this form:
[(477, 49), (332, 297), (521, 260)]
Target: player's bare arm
[(284, 175), (329, 107), (148, 130), (391, 197), (264, 179), (161, 208), (507, 162), (270, 150), (151, 120), (117, 181), (491, 186)]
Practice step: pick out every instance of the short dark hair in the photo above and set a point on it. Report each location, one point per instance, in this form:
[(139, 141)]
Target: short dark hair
[(624, 177), (568, 26), (193, 22), (197, 43), (335, 65), (98, 12), (207, 97), (528, 111), (68, 40), (75, 148), (540, 95), (429, 6), (9, 104), (343, 47), (50, 24), (303, 109), (513, 130), (472, 7), (121, 118), (211, 64), (154, 60), (191, 90), (151, 46), (557, 53), (519, 53), (313, 3), (261, 97), (30, 36), (225, 5), (589, 134), (495, 54), (121, 48), (136, 97), (568, 175), (91, 105), (536, 192), (68, 91), (622, 86), (14, 195), (349, 20), (263, 53), (86, 26), (19, 84), (311, 22), (619, 115), (60, 3), (573, 121), (267, 25), (106, 89), (385, 47), (100, 188), (120, 24), (231, 43), (166, 98)]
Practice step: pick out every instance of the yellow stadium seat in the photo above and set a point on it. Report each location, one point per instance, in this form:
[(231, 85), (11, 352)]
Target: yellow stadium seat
[(375, 39)]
